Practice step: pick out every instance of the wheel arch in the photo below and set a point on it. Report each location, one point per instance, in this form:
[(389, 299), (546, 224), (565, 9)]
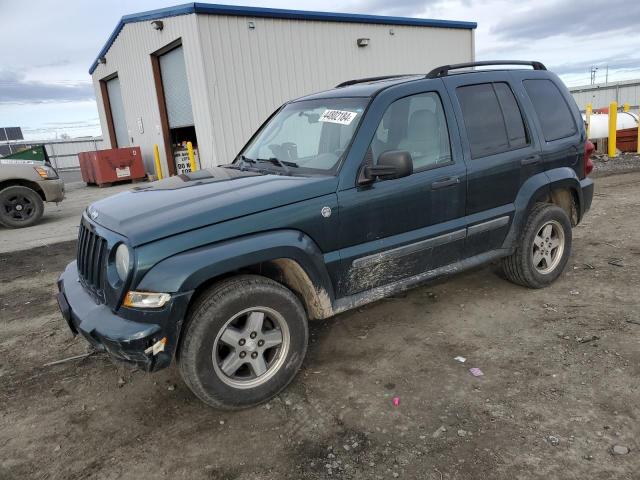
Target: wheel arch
[(288, 257), (559, 186), (13, 182)]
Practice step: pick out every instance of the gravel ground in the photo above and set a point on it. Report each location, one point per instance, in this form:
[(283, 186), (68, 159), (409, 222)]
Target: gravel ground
[(558, 398), (623, 163)]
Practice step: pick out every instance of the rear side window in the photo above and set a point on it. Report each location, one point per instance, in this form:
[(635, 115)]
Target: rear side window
[(492, 119), (512, 116), (552, 109)]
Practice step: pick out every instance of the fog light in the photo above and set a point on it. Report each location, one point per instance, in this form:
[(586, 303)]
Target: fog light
[(146, 299)]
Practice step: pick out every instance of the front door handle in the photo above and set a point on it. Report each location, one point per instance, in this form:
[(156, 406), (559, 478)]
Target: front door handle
[(445, 182), (532, 160)]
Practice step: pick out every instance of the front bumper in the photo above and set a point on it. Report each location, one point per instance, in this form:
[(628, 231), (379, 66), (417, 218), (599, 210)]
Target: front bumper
[(124, 335), (53, 189)]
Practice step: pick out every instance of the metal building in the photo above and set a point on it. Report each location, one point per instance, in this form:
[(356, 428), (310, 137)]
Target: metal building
[(602, 94), (211, 74)]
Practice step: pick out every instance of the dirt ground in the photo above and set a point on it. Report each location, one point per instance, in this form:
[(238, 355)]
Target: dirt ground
[(561, 382)]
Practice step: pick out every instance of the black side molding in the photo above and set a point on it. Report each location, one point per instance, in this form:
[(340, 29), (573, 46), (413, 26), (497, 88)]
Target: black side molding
[(443, 70)]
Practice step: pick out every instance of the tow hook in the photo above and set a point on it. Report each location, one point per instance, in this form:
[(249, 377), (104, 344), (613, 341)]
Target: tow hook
[(157, 347)]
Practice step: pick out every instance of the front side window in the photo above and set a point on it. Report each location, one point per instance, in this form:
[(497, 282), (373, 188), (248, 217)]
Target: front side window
[(492, 119), (415, 124), (309, 136)]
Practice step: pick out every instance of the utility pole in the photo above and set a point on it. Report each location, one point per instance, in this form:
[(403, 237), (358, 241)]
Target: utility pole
[(593, 74), (606, 77)]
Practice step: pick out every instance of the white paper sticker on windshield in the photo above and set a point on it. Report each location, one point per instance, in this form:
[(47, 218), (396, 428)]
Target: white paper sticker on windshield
[(338, 116)]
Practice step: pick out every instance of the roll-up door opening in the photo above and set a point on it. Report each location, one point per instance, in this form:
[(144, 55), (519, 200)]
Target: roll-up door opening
[(114, 108), (179, 113)]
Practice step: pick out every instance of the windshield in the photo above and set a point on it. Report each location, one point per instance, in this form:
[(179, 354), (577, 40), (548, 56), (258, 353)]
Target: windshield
[(310, 136)]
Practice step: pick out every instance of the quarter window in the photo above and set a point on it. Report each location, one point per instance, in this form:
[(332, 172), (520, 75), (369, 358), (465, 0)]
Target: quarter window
[(492, 119), (551, 108), (415, 124)]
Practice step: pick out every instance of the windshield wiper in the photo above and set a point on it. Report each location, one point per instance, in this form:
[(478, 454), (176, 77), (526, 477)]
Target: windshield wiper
[(245, 162), (276, 161)]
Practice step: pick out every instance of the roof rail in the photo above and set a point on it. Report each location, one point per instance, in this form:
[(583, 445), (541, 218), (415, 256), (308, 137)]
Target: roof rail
[(443, 71), (369, 79)]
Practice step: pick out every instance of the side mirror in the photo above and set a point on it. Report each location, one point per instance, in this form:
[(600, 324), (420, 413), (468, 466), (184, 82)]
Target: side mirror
[(391, 164)]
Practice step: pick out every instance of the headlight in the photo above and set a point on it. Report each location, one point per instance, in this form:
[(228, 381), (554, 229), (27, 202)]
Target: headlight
[(122, 261), (46, 172), (146, 299)]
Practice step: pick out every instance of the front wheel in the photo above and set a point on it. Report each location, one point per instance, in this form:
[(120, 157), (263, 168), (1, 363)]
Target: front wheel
[(20, 206), (543, 250), (244, 341)]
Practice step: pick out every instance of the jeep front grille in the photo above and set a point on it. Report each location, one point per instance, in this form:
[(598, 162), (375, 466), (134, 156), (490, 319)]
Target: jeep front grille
[(91, 256)]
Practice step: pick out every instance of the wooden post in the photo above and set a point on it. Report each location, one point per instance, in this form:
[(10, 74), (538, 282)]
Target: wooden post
[(192, 158), (156, 156), (613, 122)]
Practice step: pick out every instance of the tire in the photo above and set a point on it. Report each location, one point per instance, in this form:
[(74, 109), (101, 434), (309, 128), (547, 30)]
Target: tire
[(20, 207), (539, 265), (214, 370)]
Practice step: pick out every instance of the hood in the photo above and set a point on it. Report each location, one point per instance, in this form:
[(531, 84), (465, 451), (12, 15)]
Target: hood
[(185, 202)]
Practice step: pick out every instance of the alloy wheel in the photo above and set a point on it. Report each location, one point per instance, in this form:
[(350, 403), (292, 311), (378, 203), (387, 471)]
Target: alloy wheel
[(251, 347)]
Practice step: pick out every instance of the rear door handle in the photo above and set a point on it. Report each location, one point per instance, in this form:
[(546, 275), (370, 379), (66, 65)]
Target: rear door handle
[(532, 160), (445, 182)]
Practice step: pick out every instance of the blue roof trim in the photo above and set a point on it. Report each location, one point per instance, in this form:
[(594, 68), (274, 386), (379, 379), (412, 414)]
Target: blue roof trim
[(214, 9)]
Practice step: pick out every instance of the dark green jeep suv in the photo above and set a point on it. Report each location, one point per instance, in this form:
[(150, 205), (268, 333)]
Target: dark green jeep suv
[(341, 198)]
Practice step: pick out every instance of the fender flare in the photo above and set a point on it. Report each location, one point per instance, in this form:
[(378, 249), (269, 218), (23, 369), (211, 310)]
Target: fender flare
[(188, 270), (537, 188)]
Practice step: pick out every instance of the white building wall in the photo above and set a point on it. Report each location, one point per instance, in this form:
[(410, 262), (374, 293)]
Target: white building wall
[(601, 96), (253, 71), (237, 76), (129, 56)]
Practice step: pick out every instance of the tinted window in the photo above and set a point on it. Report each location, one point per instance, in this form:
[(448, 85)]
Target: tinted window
[(483, 120), (416, 124), (552, 109), (492, 118), (516, 132)]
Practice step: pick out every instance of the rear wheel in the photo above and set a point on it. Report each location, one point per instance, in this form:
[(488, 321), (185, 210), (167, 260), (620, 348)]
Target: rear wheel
[(20, 206), (543, 250), (244, 341)]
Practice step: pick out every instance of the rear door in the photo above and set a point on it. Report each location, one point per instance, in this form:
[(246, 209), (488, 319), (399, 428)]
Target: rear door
[(561, 139), (500, 151), (394, 229)]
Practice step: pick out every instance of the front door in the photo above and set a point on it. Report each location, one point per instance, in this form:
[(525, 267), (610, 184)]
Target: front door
[(394, 229)]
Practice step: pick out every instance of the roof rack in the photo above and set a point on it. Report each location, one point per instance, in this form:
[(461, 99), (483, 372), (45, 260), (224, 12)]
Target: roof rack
[(443, 71), (369, 79)]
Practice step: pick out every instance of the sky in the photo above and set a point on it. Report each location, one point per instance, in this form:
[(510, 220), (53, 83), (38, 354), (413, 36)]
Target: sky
[(48, 46)]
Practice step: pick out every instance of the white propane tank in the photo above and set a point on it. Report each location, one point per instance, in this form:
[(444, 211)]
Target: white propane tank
[(600, 123)]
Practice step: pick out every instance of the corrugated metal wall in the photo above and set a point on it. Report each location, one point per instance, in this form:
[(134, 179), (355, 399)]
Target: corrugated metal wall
[(237, 76), (602, 95), (130, 58), (253, 71)]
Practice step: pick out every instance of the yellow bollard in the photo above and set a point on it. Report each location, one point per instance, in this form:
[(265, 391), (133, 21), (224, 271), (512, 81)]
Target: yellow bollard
[(588, 111), (192, 158), (156, 156), (625, 107), (613, 122)]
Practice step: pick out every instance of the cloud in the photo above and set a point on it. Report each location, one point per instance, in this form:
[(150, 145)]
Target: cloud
[(570, 18), (407, 8), (15, 89), (615, 62)]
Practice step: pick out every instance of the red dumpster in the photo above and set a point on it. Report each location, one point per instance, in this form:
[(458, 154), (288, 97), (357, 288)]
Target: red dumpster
[(103, 167)]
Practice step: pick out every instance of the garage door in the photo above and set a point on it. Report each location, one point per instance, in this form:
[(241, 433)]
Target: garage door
[(117, 112), (176, 88)]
